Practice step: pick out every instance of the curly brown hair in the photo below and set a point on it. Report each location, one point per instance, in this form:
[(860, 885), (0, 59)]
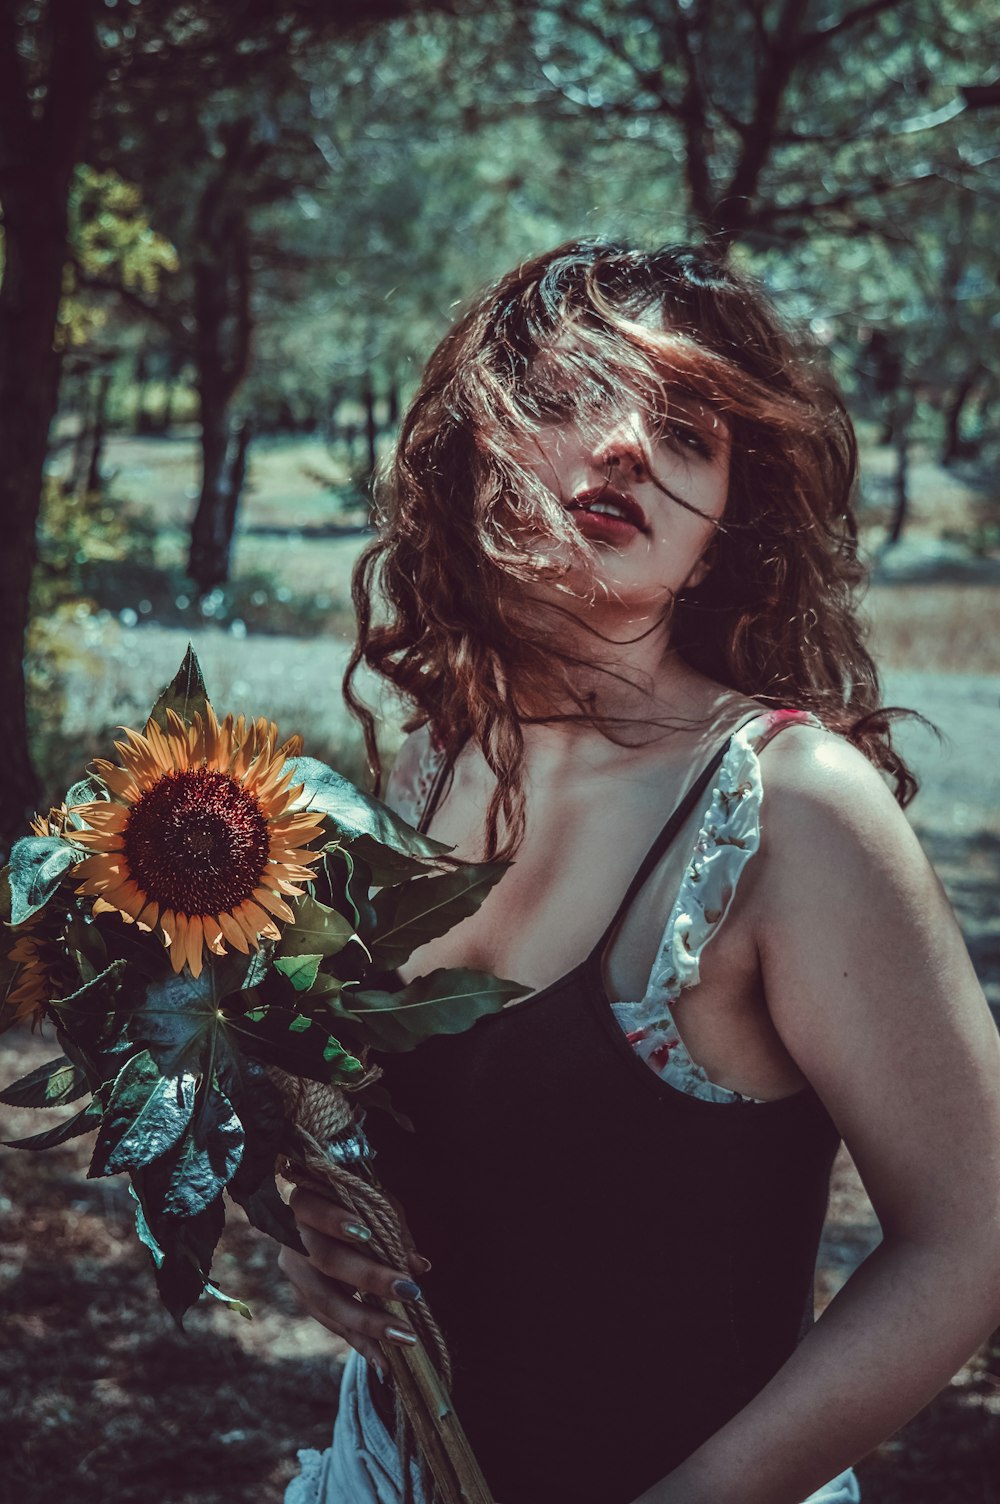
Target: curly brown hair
[(463, 524)]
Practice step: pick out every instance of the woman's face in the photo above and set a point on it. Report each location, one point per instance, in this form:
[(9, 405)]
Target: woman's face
[(645, 493)]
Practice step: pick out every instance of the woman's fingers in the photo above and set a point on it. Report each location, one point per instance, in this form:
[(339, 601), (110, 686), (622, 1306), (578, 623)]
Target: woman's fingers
[(334, 1305), (355, 1269), (313, 1210), (336, 1270)]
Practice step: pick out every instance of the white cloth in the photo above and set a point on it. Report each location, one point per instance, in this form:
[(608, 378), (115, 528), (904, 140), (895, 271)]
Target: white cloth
[(361, 1465)]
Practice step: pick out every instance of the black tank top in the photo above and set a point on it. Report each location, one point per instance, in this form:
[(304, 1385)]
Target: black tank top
[(618, 1267)]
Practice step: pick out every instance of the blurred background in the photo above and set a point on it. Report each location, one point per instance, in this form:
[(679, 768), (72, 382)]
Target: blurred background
[(231, 235)]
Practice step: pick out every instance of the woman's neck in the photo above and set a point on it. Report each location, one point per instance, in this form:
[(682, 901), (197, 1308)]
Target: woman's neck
[(636, 687)]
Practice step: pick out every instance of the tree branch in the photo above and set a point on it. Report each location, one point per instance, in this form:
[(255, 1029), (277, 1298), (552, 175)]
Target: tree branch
[(694, 119), (733, 211), (647, 78), (805, 208), (812, 41)]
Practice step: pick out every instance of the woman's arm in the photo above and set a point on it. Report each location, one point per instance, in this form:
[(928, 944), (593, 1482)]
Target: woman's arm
[(871, 988)]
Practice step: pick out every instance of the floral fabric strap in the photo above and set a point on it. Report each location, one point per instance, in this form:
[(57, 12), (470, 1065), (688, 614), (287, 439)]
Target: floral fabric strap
[(728, 836)]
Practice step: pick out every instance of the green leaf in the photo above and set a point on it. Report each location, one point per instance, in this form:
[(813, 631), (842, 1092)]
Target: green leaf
[(126, 942), (446, 1001), (301, 971), (37, 867), (318, 930), (86, 791), (92, 1023), (354, 814), (385, 866), (143, 1230), (81, 1122), (207, 1158), (146, 1115), (344, 880), (187, 1243), (185, 694), (266, 1211), (261, 1108), (407, 916), (298, 1043), (47, 1085), (240, 1306), (179, 1018)]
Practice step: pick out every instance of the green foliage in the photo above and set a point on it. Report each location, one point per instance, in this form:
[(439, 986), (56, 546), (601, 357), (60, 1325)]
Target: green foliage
[(78, 536), (354, 816), (177, 1064), (444, 1001), (112, 245), (38, 865), (416, 912), (185, 695), (48, 1085)]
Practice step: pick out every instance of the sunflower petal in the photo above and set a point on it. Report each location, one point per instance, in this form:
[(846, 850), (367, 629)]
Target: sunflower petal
[(195, 944), (234, 933), (252, 913), (275, 904)]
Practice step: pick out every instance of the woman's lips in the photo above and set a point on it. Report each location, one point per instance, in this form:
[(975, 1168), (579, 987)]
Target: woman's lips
[(606, 515)]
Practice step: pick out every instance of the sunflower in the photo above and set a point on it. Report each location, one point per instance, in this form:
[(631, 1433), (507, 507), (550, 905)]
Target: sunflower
[(197, 835)]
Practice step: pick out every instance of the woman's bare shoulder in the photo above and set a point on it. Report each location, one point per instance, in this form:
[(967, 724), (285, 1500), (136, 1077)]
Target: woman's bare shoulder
[(816, 783)]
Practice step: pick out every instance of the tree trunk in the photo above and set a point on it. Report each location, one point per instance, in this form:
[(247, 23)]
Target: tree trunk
[(394, 406), (902, 418), (37, 157), (952, 447), (141, 421), (95, 476), (371, 430), (222, 354)]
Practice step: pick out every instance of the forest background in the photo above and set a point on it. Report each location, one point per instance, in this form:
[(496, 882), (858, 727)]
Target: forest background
[(231, 234)]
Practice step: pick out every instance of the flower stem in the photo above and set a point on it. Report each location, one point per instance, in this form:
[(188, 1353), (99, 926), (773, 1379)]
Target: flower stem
[(436, 1426)]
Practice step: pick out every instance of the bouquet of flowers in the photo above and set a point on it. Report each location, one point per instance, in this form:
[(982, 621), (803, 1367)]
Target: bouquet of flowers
[(197, 921)]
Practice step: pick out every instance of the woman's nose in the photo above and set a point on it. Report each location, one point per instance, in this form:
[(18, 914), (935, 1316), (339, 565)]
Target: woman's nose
[(623, 447)]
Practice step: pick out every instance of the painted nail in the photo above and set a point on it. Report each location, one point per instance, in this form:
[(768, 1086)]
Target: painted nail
[(425, 1264), (406, 1289), (355, 1230), (400, 1334)]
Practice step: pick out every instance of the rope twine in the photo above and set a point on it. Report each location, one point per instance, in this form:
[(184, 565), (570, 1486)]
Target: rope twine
[(321, 1115)]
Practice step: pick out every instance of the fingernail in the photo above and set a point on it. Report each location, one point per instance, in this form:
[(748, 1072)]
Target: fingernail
[(401, 1334), (425, 1264), (355, 1230), (379, 1372), (407, 1289)]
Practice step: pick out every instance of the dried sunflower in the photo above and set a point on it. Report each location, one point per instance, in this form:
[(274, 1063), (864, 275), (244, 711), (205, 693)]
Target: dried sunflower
[(197, 835)]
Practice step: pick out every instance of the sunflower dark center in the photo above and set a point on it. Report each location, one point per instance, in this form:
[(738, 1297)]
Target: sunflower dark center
[(197, 842)]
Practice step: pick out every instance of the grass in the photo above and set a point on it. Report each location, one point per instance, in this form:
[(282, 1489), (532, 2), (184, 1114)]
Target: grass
[(931, 626)]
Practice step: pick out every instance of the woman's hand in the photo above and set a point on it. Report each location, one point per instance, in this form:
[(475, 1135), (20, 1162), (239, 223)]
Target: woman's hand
[(338, 1269)]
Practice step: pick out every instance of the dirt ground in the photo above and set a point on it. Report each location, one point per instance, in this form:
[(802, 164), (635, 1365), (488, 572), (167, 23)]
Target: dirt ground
[(102, 1400)]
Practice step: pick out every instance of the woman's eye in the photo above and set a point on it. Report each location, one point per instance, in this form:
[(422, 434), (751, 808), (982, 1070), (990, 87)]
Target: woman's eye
[(681, 434)]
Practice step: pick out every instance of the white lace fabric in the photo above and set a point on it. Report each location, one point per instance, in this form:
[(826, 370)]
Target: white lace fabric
[(728, 835)]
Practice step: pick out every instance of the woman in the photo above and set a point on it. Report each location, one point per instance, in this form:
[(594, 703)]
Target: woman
[(617, 563)]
